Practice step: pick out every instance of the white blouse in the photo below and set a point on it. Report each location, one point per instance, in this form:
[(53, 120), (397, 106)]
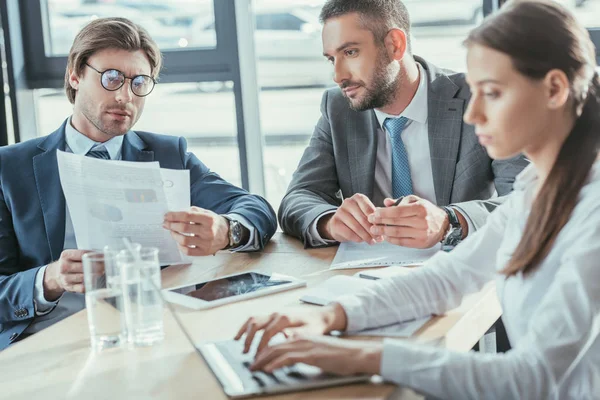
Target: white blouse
[(552, 316)]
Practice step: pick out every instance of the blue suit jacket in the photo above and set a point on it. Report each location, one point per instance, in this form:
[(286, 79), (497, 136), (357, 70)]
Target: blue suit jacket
[(32, 211)]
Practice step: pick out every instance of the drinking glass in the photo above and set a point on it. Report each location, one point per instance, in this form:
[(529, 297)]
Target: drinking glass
[(104, 302), (142, 300)]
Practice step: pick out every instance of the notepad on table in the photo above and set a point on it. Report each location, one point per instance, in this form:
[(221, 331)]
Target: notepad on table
[(334, 287), (363, 255)]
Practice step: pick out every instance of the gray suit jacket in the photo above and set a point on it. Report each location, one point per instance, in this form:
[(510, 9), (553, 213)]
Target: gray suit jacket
[(340, 158)]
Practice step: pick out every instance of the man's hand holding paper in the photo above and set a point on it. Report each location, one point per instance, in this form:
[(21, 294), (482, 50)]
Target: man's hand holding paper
[(198, 232)]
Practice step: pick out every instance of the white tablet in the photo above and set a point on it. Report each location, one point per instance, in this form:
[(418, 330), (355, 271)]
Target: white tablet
[(229, 289)]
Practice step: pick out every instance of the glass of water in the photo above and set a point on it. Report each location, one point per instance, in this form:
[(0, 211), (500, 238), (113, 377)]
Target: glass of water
[(141, 290), (104, 302)]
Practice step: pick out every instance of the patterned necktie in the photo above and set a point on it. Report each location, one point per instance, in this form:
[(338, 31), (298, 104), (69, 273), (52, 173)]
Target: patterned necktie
[(401, 180), (102, 153)]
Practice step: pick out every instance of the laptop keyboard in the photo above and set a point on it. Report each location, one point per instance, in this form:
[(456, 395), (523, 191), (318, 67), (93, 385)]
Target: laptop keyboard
[(232, 368), (232, 352)]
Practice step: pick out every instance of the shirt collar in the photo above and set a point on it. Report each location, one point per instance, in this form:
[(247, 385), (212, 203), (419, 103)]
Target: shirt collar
[(529, 176), (417, 108), (525, 178), (81, 144)]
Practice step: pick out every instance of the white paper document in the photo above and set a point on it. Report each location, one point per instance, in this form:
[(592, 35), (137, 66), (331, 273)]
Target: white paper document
[(339, 285), (362, 255), (110, 200), (334, 287)]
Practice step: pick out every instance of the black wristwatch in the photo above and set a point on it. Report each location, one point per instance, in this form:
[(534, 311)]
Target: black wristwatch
[(238, 234), (454, 233)]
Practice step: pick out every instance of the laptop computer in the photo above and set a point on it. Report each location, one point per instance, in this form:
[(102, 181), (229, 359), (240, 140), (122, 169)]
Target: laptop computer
[(231, 367)]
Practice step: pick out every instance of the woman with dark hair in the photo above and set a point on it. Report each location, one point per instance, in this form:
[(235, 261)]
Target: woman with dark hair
[(535, 90)]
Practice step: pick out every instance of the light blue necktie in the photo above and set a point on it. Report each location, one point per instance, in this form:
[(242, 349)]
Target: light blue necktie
[(95, 153), (401, 180)]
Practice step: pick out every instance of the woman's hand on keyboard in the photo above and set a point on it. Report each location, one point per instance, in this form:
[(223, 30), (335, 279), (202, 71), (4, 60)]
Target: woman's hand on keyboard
[(293, 323), (333, 355)]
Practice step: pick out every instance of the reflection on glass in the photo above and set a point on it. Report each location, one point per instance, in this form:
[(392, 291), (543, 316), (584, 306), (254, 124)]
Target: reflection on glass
[(179, 24), (231, 286)]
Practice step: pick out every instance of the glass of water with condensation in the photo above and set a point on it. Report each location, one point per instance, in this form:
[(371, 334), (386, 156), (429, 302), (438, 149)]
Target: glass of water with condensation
[(142, 300), (104, 302)]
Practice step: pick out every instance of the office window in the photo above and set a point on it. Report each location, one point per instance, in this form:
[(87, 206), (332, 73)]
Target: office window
[(206, 120), (174, 24), (293, 73), (586, 11), (194, 96)]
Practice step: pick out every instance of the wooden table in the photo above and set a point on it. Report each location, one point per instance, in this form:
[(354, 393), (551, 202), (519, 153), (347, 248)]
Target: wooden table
[(57, 363)]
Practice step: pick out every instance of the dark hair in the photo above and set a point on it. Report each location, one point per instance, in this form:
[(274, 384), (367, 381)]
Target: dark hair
[(378, 16), (520, 30), (110, 33)]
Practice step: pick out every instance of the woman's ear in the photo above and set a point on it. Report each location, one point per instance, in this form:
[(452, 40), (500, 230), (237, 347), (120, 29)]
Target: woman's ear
[(557, 89)]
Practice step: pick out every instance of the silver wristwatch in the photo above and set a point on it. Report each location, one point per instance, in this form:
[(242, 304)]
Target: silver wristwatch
[(454, 233), (235, 233)]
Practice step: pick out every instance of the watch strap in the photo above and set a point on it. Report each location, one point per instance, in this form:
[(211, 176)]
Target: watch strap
[(452, 217), (454, 234)]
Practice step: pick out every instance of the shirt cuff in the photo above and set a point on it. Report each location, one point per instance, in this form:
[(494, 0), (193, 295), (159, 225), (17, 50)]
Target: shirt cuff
[(41, 305), (397, 360), (356, 320), (253, 243), (313, 237), (470, 224)]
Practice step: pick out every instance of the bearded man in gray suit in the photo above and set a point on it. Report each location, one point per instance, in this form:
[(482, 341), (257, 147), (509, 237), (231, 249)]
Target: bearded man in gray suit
[(391, 158)]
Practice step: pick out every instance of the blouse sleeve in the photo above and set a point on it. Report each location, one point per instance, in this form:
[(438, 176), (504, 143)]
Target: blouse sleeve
[(434, 288), (559, 356)]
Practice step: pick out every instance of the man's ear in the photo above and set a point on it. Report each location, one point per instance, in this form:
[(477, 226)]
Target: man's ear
[(73, 79), (396, 43)]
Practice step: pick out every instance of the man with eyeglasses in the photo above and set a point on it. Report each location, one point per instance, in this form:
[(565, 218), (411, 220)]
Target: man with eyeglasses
[(112, 66)]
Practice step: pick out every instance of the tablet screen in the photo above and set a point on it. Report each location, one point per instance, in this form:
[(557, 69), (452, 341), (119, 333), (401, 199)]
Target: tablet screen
[(231, 286)]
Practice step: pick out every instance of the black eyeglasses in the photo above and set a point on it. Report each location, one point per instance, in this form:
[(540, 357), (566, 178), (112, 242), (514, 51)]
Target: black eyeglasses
[(113, 79)]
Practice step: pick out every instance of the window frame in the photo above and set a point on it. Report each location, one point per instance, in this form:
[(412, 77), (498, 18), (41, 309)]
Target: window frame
[(189, 65), (25, 41)]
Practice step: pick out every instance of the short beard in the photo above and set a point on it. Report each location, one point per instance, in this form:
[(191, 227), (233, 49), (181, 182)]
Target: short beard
[(383, 89), (96, 120)]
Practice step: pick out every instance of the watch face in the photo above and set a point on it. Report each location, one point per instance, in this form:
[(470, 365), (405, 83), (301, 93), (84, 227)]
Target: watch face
[(236, 232), (454, 237)]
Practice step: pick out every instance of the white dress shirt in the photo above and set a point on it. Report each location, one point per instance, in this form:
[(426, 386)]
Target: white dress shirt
[(78, 143), (552, 315), (415, 137)]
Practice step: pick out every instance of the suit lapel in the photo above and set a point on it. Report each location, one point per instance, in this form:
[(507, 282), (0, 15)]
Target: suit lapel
[(133, 149), (52, 199), (445, 125), (361, 131)]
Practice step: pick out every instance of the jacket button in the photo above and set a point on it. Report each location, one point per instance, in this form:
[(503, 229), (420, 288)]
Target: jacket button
[(13, 336)]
